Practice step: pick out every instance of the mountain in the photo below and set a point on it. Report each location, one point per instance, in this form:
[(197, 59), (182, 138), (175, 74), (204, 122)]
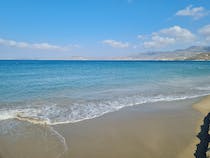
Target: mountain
[(201, 56), (190, 53), (201, 49)]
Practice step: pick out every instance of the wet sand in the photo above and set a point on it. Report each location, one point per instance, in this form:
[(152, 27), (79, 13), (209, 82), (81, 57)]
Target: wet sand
[(164, 129), (151, 130), (203, 106)]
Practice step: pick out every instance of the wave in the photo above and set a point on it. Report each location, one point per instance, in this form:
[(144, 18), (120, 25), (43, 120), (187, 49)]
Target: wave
[(206, 88), (57, 114)]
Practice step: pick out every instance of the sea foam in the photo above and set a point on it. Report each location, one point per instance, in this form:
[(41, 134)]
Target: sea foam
[(54, 114)]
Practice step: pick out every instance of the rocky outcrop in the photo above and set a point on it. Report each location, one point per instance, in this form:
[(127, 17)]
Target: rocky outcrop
[(202, 150)]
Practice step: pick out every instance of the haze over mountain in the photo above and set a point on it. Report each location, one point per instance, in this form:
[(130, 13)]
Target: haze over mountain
[(190, 53), (193, 52)]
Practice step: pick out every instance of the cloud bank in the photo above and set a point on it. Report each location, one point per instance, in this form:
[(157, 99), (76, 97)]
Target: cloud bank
[(38, 46), (205, 31), (169, 36), (166, 38)]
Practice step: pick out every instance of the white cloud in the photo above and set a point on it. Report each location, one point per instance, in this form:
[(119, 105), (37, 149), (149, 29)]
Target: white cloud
[(40, 46), (196, 12), (178, 33), (169, 36), (158, 42), (205, 31), (116, 44)]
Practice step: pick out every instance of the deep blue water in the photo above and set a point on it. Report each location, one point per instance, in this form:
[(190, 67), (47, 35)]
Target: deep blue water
[(69, 91)]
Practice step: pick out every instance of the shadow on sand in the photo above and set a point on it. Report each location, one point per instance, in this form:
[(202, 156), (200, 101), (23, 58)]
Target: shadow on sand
[(204, 137)]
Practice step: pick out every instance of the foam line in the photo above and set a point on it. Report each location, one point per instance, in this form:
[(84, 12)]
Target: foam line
[(55, 114), (31, 119)]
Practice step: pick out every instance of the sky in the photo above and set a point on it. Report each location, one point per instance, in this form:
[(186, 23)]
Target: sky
[(59, 29)]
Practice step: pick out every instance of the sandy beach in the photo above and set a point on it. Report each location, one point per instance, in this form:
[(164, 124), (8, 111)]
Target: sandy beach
[(156, 130), (163, 129)]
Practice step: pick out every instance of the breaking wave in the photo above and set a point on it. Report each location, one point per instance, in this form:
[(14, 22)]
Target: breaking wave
[(54, 114)]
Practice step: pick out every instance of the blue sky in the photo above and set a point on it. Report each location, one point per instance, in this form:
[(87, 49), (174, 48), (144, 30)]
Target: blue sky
[(59, 29)]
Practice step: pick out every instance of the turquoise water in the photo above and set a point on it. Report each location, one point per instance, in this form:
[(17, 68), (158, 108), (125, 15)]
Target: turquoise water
[(70, 91)]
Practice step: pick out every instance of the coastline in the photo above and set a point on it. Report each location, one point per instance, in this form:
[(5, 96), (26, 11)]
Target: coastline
[(200, 108), (203, 107), (162, 129)]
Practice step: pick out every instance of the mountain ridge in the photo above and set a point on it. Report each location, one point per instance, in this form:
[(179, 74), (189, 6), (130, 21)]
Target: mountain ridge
[(190, 53)]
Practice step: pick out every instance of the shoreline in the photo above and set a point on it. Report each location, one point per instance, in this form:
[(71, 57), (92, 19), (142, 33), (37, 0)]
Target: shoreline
[(161, 129), (141, 131), (203, 107)]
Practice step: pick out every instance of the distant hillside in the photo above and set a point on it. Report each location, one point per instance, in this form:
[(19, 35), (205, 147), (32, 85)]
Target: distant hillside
[(201, 49), (191, 53), (194, 53), (201, 56)]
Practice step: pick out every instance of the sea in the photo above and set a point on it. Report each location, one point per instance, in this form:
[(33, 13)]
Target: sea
[(58, 92)]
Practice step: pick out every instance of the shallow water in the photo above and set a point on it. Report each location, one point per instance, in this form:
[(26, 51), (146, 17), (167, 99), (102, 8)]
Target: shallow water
[(57, 92)]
